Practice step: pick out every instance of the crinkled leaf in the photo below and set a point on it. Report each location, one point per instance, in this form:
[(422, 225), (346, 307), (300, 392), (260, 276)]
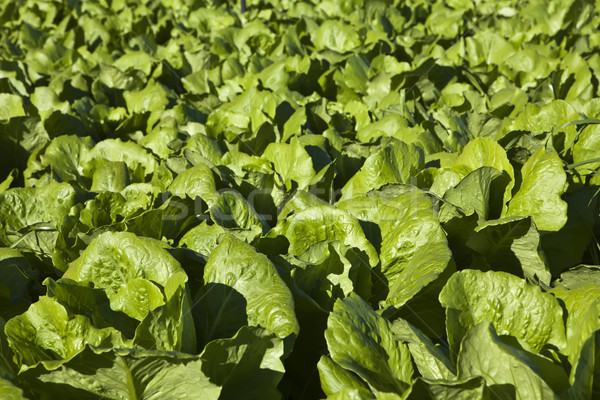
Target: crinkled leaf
[(508, 302), (414, 252), (11, 106), (292, 162), (154, 97), (324, 223), (335, 378), (511, 244), (431, 360), (22, 207), (139, 162), (127, 268), (539, 195), (169, 327), (395, 163), (246, 366), (269, 302), (363, 342), (112, 176), (196, 181), (46, 333), (83, 299), (480, 191), (123, 374), (485, 152), (337, 36), (531, 376), (231, 210), (65, 154)]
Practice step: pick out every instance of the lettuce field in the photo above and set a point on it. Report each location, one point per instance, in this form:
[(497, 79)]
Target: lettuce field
[(307, 199)]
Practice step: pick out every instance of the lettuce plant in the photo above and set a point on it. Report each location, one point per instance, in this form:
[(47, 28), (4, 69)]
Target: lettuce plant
[(299, 199)]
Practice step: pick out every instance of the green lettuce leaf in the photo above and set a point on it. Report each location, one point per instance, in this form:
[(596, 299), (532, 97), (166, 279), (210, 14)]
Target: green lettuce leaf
[(203, 238), (30, 218), (544, 181), (169, 327), (233, 211), (246, 366), (513, 306), (292, 162), (463, 389), (12, 106), (128, 269), (16, 276), (9, 391), (330, 270), (83, 299), (581, 296), (415, 258), (123, 374), (23, 207), (394, 163), (337, 36), (196, 181), (268, 301), (480, 191), (154, 97), (139, 161), (510, 244), (334, 378), (361, 341), (64, 155), (485, 152), (528, 376), (431, 360), (323, 223), (112, 176), (46, 333)]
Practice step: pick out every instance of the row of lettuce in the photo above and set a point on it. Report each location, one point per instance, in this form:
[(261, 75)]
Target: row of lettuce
[(351, 200)]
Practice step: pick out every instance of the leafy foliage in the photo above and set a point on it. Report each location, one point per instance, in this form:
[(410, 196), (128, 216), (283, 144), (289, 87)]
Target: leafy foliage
[(303, 199)]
